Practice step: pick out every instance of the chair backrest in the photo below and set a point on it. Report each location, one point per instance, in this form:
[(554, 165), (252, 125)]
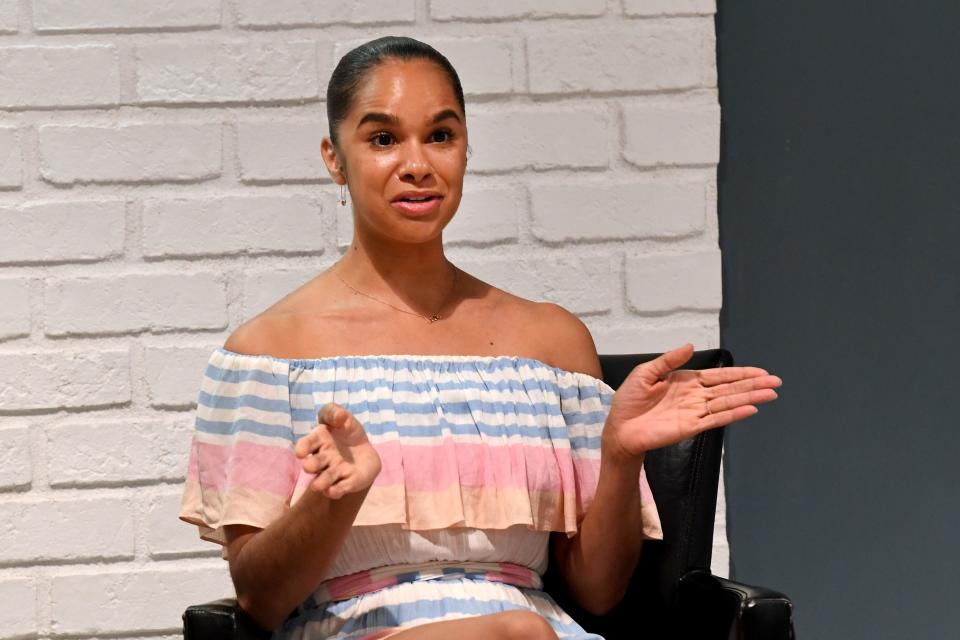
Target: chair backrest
[(684, 479)]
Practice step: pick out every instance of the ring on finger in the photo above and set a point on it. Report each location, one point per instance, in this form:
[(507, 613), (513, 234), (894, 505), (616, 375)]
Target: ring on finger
[(707, 405)]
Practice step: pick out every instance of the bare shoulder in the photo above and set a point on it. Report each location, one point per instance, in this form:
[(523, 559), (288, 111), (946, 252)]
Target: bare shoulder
[(264, 334), (281, 329), (568, 341)]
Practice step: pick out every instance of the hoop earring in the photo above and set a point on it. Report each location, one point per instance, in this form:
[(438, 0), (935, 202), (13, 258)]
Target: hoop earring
[(343, 195)]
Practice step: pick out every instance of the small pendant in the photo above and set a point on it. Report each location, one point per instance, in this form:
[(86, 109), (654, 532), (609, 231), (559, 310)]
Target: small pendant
[(434, 318)]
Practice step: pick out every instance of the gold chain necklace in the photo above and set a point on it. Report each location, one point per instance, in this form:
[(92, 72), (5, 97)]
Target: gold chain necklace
[(431, 318)]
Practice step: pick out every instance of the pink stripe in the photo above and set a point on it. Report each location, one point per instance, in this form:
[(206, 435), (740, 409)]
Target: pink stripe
[(244, 464), (436, 467), (355, 584)]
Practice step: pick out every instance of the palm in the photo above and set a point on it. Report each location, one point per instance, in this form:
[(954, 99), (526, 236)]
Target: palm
[(658, 405)]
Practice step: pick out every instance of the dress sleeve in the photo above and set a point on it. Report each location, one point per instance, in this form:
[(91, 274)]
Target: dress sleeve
[(242, 467), (585, 402)]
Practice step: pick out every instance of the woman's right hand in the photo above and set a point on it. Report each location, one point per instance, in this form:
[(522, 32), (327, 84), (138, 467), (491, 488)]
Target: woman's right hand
[(339, 453)]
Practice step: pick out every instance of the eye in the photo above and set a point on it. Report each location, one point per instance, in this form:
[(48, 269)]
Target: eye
[(441, 135), (381, 139)]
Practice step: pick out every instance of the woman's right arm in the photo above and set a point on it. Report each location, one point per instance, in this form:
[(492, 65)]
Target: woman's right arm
[(276, 568)]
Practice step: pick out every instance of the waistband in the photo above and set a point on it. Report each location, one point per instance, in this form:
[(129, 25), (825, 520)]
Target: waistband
[(355, 584)]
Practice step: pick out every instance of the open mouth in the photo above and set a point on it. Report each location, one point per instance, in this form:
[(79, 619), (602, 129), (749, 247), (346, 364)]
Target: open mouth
[(414, 205)]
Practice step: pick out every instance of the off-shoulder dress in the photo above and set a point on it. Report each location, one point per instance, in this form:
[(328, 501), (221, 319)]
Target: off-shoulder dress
[(482, 457)]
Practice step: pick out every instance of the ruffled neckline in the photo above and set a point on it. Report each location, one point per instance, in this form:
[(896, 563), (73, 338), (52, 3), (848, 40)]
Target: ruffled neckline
[(309, 363)]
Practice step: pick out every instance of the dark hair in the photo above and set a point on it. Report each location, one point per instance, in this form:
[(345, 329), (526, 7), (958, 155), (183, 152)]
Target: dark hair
[(357, 62)]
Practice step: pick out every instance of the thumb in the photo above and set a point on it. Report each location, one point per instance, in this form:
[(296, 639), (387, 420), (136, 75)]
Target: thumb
[(663, 364), (333, 415)]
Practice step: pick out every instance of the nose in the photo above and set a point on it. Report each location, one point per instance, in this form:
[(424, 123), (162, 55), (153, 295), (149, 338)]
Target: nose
[(414, 165)]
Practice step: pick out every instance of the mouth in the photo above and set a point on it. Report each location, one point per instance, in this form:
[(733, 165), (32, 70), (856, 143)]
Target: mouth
[(417, 205)]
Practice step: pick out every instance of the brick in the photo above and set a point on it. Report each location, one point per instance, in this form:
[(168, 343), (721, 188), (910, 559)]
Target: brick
[(344, 225), (487, 216), (48, 76), (154, 302), (66, 231), (74, 528), (669, 7), (540, 138), (262, 289), (227, 72), (644, 339), (129, 153), (486, 10), (14, 308), (671, 282), (231, 225), (167, 535), (484, 65), (282, 151), (672, 133), (111, 15), (18, 615), (645, 57), (9, 16), (16, 466), (83, 454), (65, 378), (134, 598), (579, 284), (174, 373), (11, 159), (323, 12), (627, 210)]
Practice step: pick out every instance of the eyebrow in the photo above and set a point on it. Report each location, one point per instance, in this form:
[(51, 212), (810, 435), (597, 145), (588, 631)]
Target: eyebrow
[(386, 118)]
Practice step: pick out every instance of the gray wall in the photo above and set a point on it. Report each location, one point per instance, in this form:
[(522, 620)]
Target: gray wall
[(839, 218)]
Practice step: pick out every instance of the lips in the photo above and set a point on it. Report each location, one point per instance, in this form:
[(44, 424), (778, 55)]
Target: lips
[(417, 203)]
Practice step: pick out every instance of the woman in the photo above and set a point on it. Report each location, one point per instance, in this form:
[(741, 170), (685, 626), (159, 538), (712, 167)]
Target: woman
[(393, 448)]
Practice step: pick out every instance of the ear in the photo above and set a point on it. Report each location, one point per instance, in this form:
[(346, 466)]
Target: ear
[(333, 160)]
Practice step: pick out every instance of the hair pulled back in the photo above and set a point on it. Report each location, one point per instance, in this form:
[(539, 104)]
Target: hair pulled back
[(354, 66)]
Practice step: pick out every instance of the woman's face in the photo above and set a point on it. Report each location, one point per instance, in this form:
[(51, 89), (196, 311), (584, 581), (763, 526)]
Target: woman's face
[(402, 148)]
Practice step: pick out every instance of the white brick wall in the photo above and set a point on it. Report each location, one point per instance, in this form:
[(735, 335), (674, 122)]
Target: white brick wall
[(160, 182)]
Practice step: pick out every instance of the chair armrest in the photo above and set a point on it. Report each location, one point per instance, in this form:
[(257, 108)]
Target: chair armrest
[(714, 607), (220, 620)]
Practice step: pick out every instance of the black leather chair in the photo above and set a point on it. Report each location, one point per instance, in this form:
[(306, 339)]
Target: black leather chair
[(672, 593)]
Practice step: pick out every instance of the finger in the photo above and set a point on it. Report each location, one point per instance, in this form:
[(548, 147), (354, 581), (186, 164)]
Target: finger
[(317, 462), (723, 418), (330, 413), (720, 375), (725, 403), (324, 479), (338, 489), (742, 386), (313, 441), (663, 364)]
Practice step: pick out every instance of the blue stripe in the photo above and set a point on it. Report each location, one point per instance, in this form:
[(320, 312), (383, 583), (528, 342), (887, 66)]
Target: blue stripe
[(397, 614), (438, 362), (487, 431), (248, 426), (457, 408), (356, 385), (218, 374), (242, 401)]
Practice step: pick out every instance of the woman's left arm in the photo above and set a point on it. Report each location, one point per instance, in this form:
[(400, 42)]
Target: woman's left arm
[(596, 564), (656, 406)]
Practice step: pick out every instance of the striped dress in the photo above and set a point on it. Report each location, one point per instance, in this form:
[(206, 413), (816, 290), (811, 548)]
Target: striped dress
[(482, 457)]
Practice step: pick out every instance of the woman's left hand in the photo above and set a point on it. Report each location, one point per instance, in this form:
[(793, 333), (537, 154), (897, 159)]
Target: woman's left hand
[(658, 405)]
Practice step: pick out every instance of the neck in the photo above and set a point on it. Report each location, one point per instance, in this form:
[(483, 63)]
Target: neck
[(413, 276)]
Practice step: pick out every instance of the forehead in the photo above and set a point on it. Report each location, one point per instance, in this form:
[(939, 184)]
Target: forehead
[(409, 89)]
